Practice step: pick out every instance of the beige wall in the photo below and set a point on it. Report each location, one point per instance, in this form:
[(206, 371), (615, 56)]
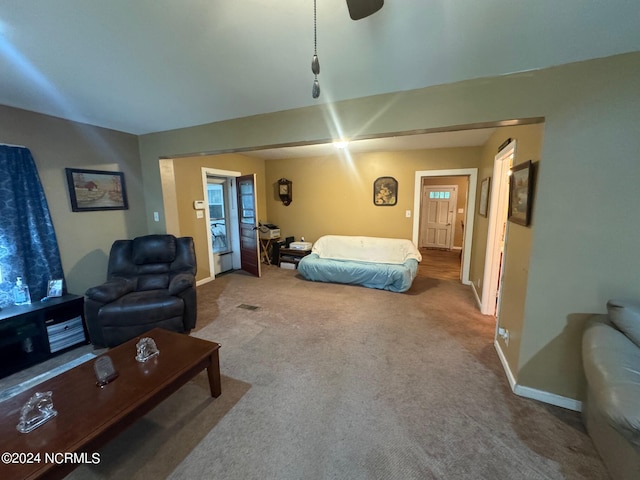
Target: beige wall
[(84, 238), (518, 239), (334, 194), (188, 188), (590, 150)]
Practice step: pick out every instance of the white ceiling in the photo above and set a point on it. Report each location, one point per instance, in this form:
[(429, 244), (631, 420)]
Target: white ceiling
[(143, 66)]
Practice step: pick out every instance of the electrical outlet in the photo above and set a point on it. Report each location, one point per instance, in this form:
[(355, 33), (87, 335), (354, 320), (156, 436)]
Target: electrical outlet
[(156, 217), (504, 334)]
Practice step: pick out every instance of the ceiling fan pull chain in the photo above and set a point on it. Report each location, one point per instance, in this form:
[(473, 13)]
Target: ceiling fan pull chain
[(315, 64)]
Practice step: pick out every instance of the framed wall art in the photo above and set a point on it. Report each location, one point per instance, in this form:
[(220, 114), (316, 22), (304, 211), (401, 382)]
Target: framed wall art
[(385, 191), (485, 185), (54, 288), (91, 190), (521, 193)]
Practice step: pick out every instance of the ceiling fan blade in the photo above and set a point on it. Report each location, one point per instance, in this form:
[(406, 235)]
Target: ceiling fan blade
[(363, 8)]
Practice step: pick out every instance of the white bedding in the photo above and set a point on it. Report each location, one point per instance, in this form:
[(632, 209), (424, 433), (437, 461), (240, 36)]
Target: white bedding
[(366, 249)]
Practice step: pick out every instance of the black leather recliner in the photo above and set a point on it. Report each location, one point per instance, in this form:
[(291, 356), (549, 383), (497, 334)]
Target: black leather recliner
[(150, 283)]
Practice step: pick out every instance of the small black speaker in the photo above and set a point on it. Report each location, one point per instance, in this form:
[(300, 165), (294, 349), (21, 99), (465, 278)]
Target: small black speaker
[(275, 252)]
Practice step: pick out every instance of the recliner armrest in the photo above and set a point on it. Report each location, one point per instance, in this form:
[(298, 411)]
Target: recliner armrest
[(181, 282), (111, 290)]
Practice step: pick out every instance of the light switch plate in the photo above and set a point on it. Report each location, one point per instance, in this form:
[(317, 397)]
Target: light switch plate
[(199, 214), (407, 213)]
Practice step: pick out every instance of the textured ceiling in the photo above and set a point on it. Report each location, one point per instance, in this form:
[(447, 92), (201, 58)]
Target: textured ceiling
[(143, 66)]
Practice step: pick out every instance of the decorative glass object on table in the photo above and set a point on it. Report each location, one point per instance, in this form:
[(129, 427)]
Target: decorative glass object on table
[(146, 348), (105, 371), (37, 410)]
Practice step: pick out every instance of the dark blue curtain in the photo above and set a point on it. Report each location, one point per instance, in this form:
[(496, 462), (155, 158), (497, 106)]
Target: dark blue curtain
[(28, 245)]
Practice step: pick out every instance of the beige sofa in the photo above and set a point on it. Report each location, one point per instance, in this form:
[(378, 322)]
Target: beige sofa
[(611, 410)]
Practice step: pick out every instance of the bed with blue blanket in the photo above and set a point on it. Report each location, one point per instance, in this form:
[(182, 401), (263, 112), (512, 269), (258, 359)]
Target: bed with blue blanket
[(373, 262)]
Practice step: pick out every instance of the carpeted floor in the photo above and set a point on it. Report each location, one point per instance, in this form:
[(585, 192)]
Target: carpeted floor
[(326, 381)]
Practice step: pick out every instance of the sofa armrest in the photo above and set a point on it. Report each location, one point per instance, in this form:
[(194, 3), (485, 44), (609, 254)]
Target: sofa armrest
[(111, 290), (610, 361), (181, 282)]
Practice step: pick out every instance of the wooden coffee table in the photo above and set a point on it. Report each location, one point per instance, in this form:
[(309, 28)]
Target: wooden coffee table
[(89, 416)]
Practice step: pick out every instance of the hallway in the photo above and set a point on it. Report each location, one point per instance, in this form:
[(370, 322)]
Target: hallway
[(440, 264)]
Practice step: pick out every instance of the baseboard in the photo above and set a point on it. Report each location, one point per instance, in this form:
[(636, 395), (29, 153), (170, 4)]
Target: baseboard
[(534, 393), (550, 398), (505, 366), (475, 294), (204, 280)]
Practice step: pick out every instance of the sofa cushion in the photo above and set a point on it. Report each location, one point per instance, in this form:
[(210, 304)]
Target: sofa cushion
[(139, 308), (611, 364), (153, 282), (625, 314)]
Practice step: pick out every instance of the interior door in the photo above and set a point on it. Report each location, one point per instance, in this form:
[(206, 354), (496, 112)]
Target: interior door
[(497, 233), (438, 216), (248, 222)]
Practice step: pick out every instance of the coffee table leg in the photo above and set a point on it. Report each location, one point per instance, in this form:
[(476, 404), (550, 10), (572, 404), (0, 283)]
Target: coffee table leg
[(213, 372)]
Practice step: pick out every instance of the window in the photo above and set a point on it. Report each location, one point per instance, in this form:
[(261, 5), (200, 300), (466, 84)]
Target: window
[(440, 195)]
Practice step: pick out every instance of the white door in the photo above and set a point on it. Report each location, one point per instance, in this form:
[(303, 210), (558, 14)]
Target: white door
[(438, 211), (496, 235)]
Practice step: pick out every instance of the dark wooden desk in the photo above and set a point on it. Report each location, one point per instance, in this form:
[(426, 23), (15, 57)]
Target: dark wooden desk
[(89, 416)]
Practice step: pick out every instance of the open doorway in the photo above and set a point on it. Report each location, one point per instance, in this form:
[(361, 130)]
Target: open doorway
[(443, 201), (218, 196), (221, 222), (450, 217)]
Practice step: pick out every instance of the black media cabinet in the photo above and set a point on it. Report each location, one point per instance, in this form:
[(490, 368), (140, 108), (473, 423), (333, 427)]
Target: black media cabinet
[(30, 334)]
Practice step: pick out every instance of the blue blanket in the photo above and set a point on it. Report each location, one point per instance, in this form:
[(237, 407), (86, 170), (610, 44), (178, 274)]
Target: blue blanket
[(384, 276)]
